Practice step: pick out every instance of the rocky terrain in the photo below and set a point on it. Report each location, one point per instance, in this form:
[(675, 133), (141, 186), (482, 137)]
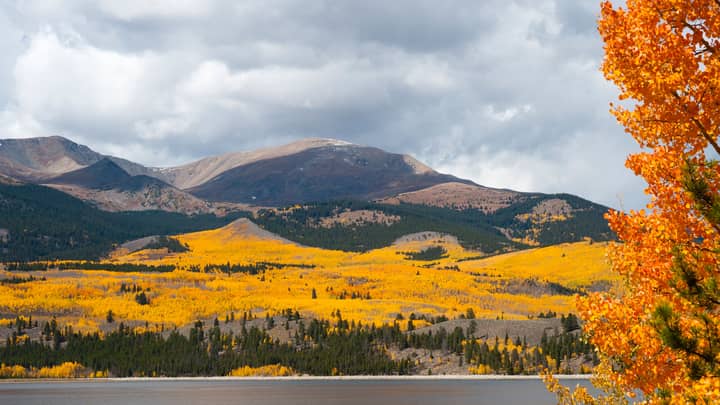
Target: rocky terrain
[(458, 196)]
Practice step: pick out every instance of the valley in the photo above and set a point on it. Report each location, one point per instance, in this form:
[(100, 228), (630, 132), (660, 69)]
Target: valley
[(305, 247), (241, 272), (239, 268)]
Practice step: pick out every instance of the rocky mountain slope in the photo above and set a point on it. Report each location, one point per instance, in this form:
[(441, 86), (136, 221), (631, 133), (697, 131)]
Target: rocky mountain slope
[(36, 159), (197, 173), (342, 196), (307, 170), (322, 173), (459, 196), (111, 188)]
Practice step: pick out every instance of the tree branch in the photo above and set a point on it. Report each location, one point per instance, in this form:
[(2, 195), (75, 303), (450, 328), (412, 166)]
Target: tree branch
[(698, 124)]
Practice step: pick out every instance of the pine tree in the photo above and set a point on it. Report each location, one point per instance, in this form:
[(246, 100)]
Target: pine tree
[(142, 299)]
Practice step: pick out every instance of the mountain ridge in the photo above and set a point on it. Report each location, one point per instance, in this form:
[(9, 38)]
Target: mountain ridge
[(200, 171), (321, 173), (219, 178), (316, 192), (108, 186)]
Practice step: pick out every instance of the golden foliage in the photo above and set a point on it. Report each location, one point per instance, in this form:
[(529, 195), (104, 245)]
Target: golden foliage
[(383, 282), (13, 371), (480, 369), (663, 55), (272, 370), (571, 264), (64, 370)]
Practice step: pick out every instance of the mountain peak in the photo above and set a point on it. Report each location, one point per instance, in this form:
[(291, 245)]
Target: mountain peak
[(316, 170), (43, 157), (103, 174), (319, 142), (198, 172)]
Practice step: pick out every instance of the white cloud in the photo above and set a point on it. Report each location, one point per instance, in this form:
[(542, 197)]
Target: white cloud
[(16, 124), (505, 93), (430, 76), (506, 114), (144, 9), (54, 80)]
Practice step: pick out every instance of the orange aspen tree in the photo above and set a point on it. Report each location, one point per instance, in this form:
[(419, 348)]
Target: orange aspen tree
[(661, 334)]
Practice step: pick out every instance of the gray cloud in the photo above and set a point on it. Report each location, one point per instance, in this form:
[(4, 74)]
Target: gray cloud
[(507, 94)]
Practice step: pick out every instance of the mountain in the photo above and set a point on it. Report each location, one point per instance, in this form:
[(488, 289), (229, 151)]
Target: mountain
[(39, 222), (196, 173), (459, 196), (37, 159), (531, 220), (325, 171), (307, 170), (103, 174), (341, 195), (111, 188), (34, 159)]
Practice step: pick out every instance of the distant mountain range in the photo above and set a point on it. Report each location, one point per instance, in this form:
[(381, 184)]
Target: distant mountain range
[(307, 170), (322, 175)]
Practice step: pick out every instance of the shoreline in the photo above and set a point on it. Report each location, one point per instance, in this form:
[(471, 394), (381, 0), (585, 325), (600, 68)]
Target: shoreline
[(300, 378)]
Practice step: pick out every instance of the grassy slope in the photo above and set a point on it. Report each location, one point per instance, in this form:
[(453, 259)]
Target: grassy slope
[(447, 286), (571, 264)]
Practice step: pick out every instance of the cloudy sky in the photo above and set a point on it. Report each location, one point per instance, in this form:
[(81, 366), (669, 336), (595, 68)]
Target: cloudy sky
[(506, 93)]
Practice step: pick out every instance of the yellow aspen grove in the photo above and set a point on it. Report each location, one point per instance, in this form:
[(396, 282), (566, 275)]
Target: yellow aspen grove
[(661, 336)]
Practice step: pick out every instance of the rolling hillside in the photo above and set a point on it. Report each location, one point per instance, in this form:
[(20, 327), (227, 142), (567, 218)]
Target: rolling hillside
[(458, 196), (39, 222), (536, 220), (240, 268)]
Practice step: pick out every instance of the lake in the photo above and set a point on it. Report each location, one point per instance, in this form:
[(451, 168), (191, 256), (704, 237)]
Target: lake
[(375, 391)]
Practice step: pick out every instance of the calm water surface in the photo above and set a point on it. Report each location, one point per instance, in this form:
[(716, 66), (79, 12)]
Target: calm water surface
[(274, 392)]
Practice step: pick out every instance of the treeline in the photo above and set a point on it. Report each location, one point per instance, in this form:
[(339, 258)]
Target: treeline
[(46, 224), (516, 357), (320, 347), (20, 280), (87, 265), (206, 351), (252, 268), (171, 244), (501, 357), (427, 254)]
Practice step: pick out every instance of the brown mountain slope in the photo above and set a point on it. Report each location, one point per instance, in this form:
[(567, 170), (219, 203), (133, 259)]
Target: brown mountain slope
[(306, 170), (32, 159), (37, 159), (199, 172), (328, 172), (458, 196), (111, 188)]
